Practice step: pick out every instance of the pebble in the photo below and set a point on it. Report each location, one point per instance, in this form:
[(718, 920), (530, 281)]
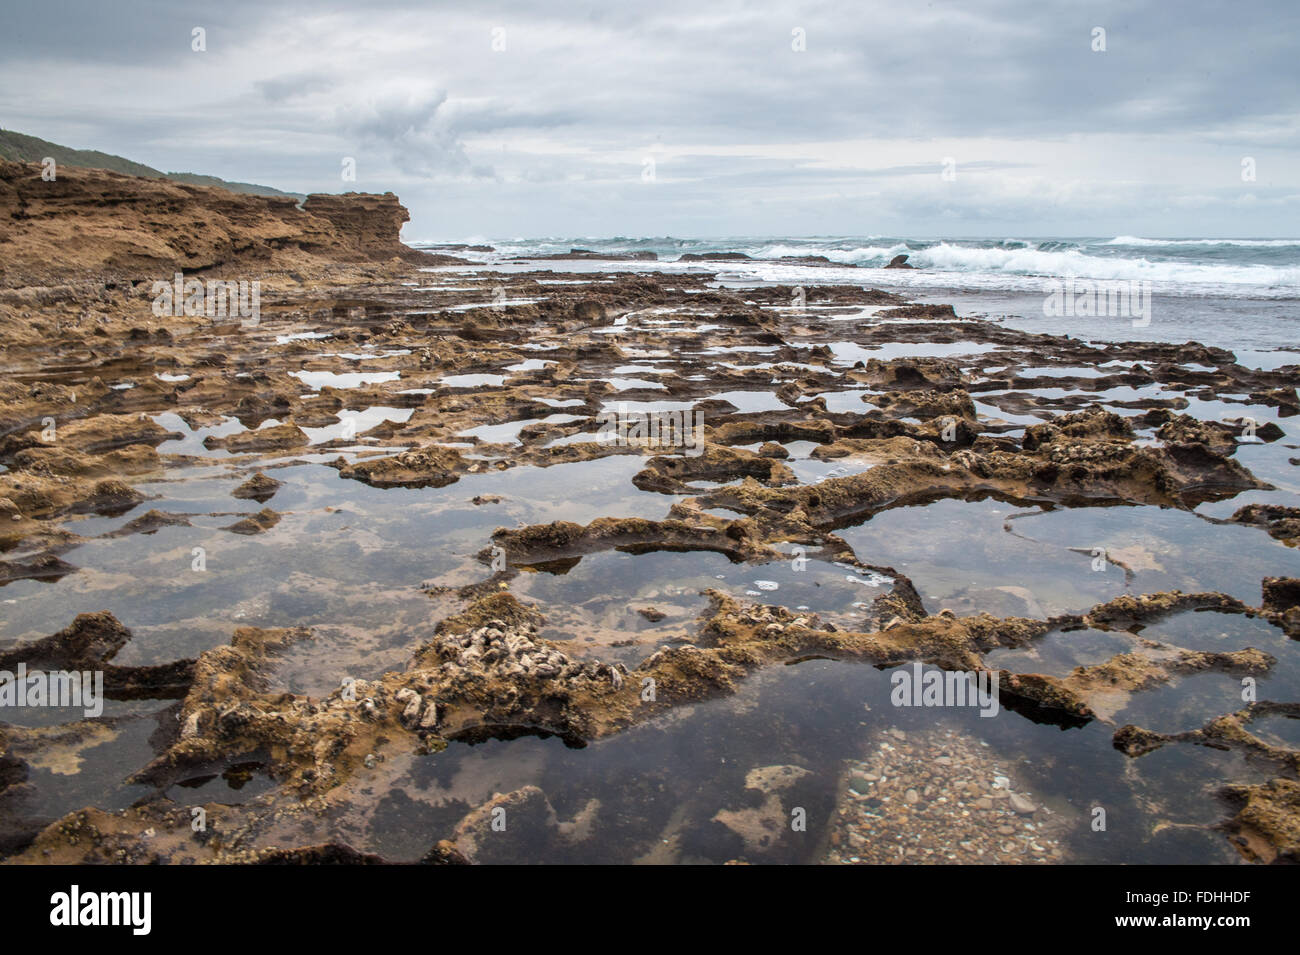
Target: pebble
[(931, 803), (1022, 805)]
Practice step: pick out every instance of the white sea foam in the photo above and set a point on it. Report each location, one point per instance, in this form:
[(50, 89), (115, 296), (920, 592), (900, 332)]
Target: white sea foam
[(1133, 241), (1034, 262), (1016, 258), (994, 268), (1266, 269)]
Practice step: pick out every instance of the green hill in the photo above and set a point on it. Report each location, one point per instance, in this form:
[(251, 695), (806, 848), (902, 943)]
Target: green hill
[(22, 148)]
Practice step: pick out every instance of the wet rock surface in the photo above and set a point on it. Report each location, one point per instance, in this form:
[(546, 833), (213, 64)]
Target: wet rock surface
[(400, 416)]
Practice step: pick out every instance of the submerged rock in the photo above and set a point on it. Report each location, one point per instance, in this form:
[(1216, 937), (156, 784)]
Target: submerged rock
[(258, 488)]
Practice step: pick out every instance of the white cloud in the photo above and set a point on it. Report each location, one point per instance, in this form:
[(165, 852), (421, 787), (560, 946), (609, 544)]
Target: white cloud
[(549, 134)]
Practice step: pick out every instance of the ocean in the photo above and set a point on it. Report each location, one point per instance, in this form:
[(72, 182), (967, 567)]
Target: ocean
[(1239, 294)]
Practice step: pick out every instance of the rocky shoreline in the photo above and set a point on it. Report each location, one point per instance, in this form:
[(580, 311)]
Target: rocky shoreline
[(374, 364)]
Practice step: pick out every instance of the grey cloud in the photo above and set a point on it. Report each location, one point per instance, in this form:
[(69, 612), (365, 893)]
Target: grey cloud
[(413, 129), (291, 86), (546, 128)]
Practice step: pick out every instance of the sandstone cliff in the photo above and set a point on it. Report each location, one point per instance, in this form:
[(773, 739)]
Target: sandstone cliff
[(92, 223)]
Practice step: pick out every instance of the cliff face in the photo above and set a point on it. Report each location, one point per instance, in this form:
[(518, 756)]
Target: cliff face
[(367, 224), (92, 222)]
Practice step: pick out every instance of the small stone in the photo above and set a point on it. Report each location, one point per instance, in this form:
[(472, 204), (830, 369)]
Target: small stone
[(1022, 805), (912, 796), (984, 802)]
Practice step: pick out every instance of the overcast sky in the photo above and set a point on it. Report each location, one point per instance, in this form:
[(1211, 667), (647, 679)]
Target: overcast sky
[(695, 117)]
